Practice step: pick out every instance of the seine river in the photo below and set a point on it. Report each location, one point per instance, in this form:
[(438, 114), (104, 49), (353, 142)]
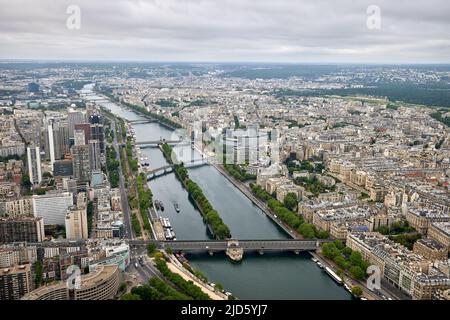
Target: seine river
[(268, 276)]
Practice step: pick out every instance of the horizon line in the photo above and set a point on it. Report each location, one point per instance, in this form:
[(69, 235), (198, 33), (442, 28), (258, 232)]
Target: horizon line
[(6, 60)]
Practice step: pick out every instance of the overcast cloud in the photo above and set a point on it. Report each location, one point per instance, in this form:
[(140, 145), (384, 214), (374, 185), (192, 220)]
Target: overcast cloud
[(227, 30)]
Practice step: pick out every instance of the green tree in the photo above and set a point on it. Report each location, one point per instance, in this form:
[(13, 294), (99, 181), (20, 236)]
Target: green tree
[(290, 201), (130, 296), (357, 291), (341, 262), (151, 247), (357, 272), (47, 174), (329, 250), (307, 230), (25, 181), (356, 258), (339, 244), (38, 272)]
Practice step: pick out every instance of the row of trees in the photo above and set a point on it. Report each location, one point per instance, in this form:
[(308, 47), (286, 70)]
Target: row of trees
[(211, 216), (292, 219), (155, 289), (112, 165), (90, 215), (132, 162), (438, 116), (346, 258), (136, 225), (186, 287), (167, 152), (153, 115), (145, 199), (238, 173)]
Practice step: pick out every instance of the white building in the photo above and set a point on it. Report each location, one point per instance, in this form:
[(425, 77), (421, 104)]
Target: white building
[(34, 165), (52, 207)]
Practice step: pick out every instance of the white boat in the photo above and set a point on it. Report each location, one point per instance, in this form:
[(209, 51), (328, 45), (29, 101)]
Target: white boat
[(314, 259), (333, 275)]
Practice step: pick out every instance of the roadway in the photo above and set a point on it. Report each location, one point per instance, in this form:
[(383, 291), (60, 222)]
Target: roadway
[(146, 270), (129, 233)]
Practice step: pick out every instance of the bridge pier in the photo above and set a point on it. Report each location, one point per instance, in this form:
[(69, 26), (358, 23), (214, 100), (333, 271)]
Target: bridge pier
[(234, 251)]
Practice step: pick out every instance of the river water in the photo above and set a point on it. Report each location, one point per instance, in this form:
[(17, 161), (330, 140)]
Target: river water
[(268, 276)]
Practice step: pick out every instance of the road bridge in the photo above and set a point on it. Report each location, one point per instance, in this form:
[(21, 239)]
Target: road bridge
[(157, 172), (141, 121)]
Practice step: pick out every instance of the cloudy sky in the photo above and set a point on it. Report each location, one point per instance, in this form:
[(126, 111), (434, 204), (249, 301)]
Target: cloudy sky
[(227, 30)]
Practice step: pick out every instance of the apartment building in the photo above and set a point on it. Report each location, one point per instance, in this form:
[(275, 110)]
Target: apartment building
[(15, 282), (100, 284)]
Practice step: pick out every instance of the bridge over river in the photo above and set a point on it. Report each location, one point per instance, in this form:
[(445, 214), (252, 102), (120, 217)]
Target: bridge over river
[(157, 172), (157, 143), (213, 246)]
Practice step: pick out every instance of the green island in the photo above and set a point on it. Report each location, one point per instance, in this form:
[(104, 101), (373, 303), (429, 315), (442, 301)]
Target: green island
[(210, 215)]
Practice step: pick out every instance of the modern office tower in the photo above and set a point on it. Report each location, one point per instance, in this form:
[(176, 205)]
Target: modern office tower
[(79, 137), (56, 139), (52, 207), (94, 155), (86, 128), (97, 133), (99, 284), (243, 146), (51, 142), (34, 164), (74, 117), (63, 168), (15, 282), (18, 229), (76, 220), (81, 163), (61, 139)]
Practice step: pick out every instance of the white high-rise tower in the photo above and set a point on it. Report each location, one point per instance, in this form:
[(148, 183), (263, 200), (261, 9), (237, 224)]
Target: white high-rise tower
[(34, 165)]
